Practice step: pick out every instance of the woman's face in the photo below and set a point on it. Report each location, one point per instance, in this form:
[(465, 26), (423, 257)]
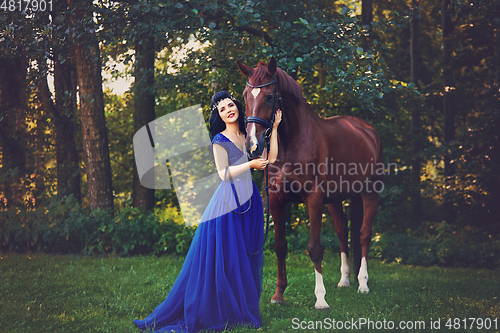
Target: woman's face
[(228, 111)]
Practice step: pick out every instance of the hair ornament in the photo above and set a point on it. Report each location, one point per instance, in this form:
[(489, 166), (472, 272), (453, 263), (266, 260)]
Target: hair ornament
[(216, 98)]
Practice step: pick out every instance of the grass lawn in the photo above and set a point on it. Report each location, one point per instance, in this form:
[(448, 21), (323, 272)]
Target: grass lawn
[(47, 293)]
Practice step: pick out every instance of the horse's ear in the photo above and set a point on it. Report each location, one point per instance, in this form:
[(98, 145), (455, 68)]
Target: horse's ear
[(272, 66), (244, 69)]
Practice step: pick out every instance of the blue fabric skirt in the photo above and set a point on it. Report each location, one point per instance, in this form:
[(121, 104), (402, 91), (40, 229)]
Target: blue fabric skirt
[(219, 285)]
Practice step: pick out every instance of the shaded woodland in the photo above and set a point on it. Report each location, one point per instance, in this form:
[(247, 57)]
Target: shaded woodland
[(424, 73)]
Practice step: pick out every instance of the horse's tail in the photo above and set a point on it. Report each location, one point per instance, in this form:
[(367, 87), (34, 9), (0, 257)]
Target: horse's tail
[(356, 223)]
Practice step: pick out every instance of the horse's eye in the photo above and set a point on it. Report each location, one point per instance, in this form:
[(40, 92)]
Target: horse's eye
[(269, 98)]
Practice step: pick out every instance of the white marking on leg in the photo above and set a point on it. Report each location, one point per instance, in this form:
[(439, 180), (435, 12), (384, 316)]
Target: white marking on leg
[(255, 92), (253, 139), (345, 271), (320, 292), (363, 277)]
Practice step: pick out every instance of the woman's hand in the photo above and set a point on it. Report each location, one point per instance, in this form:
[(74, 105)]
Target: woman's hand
[(259, 163), (277, 119)]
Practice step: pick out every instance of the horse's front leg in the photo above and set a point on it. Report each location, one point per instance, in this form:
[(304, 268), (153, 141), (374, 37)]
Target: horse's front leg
[(340, 220), (280, 247), (314, 203)]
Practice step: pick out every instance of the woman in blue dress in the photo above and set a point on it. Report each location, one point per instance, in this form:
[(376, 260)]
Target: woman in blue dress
[(220, 282)]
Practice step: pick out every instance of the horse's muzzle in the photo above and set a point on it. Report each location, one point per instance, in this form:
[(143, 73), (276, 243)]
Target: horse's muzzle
[(254, 146)]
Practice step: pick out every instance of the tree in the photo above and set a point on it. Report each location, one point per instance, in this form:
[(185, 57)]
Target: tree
[(13, 105), (144, 101), (68, 161), (415, 116), (366, 19), (62, 112), (145, 27), (94, 131), (448, 107)]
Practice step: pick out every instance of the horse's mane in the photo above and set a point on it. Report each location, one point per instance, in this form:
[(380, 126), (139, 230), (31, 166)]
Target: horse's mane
[(287, 85)]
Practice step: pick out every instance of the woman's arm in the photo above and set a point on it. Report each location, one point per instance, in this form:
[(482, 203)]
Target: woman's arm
[(222, 162), (273, 151)]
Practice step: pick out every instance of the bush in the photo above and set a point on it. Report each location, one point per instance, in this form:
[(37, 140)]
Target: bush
[(133, 231), (439, 244), (404, 249), (63, 227), (60, 226)]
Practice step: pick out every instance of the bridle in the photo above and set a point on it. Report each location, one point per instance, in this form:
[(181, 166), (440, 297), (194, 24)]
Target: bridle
[(269, 127), (277, 101)]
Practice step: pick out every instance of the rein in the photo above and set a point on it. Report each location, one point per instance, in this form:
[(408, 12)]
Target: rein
[(269, 128), (236, 196)]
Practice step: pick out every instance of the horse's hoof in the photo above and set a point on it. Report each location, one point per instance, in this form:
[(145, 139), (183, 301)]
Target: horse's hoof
[(343, 285), (322, 308), (321, 305), (274, 301), (363, 290)]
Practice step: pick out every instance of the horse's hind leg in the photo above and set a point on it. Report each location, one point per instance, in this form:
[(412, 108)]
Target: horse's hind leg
[(340, 220), (316, 249), (370, 206)]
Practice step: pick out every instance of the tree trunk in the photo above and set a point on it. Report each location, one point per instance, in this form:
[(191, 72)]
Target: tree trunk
[(38, 157), (448, 108), (94, 132), (13, 105), (496, 52), (62, 112), (415, 64), (68, 161), (366, 19), (144, 100)]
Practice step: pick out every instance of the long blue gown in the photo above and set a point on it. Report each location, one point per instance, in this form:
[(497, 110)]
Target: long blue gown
[(220, 282)]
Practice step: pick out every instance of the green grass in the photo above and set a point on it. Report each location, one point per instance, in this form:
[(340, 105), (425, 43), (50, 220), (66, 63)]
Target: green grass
[(47, 293)]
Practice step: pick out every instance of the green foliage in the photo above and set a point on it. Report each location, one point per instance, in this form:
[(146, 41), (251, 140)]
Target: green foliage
[(474, 87), (441, 244), (475, 188), (63, 227), (58, 227), (120, 124), (432, 244), (355, 76), (133, 231)]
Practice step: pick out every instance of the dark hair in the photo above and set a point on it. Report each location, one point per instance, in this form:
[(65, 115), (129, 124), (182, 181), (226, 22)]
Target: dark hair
[(217, 125)]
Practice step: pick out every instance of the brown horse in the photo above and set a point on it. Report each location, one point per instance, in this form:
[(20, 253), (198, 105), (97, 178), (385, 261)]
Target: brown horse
[(320, 161)]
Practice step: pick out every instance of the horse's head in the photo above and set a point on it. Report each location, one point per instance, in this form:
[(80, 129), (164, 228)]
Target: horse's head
[(261, 99)]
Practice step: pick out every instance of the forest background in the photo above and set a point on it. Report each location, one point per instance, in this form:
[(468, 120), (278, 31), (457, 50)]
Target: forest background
[(424, 73)]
